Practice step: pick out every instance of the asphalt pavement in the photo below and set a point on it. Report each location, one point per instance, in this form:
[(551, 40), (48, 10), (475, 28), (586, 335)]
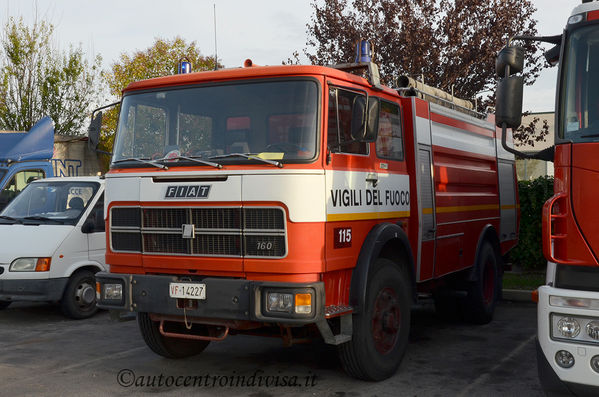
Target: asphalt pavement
[(44, 354)]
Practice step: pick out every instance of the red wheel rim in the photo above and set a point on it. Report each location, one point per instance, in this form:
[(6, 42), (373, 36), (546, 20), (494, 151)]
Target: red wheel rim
[(488, 284), (386, 320)]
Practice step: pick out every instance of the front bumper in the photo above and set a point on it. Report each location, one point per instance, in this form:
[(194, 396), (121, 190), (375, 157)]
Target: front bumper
[(580, 379), (32, 290), (226, 298)]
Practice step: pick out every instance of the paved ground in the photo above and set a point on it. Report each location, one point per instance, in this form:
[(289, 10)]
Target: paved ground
[(42, 353)]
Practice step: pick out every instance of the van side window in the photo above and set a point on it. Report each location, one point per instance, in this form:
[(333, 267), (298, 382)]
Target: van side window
[(389, 142), (340, 122), (97, 215)]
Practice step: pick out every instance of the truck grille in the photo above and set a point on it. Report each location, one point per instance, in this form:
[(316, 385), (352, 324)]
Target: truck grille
[(256, 232)]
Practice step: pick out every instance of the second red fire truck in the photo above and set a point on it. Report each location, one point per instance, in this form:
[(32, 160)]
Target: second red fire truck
[(302, 201)]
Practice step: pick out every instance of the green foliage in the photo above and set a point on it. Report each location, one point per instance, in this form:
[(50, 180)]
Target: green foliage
[(529, 251), (37, 80), (161, 59), (524, 280)]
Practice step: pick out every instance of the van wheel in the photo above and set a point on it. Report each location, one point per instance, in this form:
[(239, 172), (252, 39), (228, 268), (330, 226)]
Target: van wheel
[(483, 293), (166, 346), (381, 329), (4, 304), (79, 297)]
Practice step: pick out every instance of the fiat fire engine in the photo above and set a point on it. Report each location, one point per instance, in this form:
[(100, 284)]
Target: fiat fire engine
[(302, 202)]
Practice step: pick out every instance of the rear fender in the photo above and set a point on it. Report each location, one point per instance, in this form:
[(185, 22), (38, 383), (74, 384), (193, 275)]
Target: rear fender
[(487, 234)]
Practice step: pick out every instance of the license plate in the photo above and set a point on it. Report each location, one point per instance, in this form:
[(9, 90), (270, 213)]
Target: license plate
[(187, 290)]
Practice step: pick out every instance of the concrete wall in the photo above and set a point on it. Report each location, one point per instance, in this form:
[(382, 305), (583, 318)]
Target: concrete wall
[(73, 158)]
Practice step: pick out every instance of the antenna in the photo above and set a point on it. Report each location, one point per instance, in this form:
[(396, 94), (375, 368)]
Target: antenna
[(215, 48)]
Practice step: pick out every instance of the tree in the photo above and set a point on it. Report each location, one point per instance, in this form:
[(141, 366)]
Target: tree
[(38, 81), (161, 59), (451, 43)]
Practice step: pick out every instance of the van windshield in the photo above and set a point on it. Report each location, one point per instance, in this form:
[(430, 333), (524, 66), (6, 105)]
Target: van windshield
[(274, 120), (54, 202)]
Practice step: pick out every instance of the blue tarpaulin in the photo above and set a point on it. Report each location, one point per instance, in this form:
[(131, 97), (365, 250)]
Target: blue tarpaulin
[(37, 144)]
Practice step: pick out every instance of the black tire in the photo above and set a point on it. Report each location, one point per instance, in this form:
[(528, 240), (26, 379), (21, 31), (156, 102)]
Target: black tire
[(165, 346), (79, 297), (4, 304), (483, 293), (381, 329)]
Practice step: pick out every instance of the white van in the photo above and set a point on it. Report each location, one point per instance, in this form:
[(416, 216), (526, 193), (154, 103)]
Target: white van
[(52, 242)]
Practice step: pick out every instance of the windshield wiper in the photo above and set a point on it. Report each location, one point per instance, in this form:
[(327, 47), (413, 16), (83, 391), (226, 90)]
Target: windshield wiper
[(194, 159), (145, 161), (249, 157), (10, 218), (42, 218)]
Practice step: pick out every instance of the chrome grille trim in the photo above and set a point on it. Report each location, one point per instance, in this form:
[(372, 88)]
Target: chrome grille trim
[(219, 231)]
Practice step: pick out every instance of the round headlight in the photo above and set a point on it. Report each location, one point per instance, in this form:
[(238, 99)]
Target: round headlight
[(593, 329), (568, 327), (595, 363), (575, 19), (564, 359)]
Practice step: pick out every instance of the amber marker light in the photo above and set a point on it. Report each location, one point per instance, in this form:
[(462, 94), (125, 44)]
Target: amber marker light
[(43, 264), (303, 303)]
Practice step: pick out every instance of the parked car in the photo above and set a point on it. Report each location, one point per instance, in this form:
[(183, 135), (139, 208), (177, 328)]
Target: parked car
[(52, 242)]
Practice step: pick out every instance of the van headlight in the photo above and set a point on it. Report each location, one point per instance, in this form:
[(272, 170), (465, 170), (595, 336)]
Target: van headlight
[(30, 265)]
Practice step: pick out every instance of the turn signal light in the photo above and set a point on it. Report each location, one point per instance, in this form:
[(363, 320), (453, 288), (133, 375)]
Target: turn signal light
[(303, 303), (43, 264)]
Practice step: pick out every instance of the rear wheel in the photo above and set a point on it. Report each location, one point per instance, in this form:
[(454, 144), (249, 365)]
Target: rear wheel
[(166, 346), (381, 329), (483, 293), (4, 304), (79, 297)]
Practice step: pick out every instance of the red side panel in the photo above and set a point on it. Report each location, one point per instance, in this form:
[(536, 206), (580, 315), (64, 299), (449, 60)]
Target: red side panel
[(583, 195)]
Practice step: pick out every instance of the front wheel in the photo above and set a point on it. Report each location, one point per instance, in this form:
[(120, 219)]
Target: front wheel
[(79, 297), (166, 346), (381, 329), (4, 304), (483, 293)]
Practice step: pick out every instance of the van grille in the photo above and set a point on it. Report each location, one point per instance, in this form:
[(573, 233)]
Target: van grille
[(257, 232)]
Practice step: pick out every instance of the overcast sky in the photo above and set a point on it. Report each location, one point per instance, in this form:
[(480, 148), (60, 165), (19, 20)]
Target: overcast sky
[(267, 31)]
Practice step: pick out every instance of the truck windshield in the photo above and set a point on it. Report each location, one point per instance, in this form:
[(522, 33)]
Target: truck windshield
[(275, 120), (579, 103), (50, 202)]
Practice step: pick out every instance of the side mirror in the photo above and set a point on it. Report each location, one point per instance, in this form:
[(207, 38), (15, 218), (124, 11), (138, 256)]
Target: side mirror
[(508, 106), (358, 119), (372, 120), (93, 132), (552, 55), (510, 57)]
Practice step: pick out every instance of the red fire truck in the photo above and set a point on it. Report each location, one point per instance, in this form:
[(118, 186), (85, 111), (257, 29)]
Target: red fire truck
[(568, 305), (302, 201)]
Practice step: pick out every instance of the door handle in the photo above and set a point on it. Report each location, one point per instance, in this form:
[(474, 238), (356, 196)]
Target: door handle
[(372, 178)]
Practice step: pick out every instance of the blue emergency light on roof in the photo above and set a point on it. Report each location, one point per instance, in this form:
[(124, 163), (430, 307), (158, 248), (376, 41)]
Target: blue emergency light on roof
[(184, 66), (363, 51)]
